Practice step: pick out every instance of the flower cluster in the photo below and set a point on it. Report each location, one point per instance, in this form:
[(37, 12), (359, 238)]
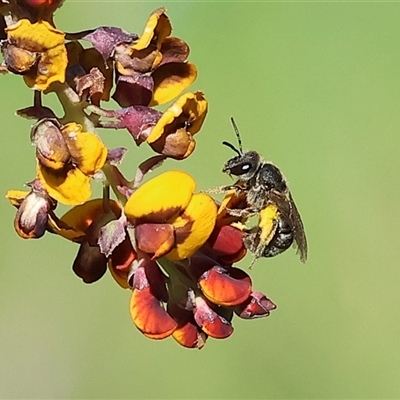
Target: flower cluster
[(172, 247)]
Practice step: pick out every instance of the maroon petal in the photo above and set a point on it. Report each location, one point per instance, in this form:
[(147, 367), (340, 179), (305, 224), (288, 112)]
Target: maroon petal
[(115, 156), (106, 38), (134, 90), (139, 120), (155, 239), (89, 264), (256, 306)]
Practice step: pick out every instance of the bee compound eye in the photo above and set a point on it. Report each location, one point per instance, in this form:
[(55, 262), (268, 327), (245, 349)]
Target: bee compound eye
[(240, 169)]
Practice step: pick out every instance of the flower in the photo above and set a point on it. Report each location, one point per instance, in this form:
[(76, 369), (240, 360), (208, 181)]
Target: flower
[(36, 51), (153, 69), (173, 133), (67, 158), (183, 282), (36, 215), (170, 133), (90, 264), (169, 218), (31, 220)]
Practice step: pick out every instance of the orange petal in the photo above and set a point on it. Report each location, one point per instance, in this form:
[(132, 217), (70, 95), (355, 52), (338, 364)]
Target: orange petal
[(120, 262), (187, 334), (256, 306), (210, 322), (121, 277), (225, 289), (149, 316), (161, 198)]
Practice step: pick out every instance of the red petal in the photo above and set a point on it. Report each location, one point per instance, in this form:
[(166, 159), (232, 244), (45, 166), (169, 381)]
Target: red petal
[(155, 239), (226, 240)]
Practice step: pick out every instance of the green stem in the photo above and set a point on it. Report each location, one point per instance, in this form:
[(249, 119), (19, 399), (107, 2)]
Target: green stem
[(113, 182), (73, 106), (179, 282)]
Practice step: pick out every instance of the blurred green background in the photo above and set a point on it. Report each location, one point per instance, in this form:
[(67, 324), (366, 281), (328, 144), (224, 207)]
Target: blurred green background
[(314, 87)]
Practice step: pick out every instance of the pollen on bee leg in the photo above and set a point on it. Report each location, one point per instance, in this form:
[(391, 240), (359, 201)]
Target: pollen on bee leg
[(219, 189)]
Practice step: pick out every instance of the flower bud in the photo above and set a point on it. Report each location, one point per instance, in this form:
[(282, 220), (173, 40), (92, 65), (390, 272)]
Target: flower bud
[(32, 216), (51, 148)]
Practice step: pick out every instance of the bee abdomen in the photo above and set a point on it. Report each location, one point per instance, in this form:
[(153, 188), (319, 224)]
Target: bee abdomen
[(281, 241)]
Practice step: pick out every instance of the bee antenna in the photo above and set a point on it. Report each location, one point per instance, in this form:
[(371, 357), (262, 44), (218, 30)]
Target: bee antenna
[(231, 146), (236, 129)]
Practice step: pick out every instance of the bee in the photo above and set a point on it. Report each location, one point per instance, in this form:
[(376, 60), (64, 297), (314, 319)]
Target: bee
[(267, 195)]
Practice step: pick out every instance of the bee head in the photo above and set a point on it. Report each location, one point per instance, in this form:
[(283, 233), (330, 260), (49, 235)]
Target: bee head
[(245, 164)]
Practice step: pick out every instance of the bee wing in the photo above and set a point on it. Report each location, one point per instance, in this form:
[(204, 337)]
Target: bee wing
[(289, 211), (299, 233)]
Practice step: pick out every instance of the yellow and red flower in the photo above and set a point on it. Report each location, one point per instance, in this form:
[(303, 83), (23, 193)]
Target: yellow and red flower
[(169, 218), (184, 284)]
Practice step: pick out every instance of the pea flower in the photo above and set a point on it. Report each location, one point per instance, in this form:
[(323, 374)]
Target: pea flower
[(67, 157), (37, 52), (184, 284), (153, 70)]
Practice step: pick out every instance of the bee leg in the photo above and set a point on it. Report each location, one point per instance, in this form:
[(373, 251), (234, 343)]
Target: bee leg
[(243, 213), (221, 189), (253, 261)]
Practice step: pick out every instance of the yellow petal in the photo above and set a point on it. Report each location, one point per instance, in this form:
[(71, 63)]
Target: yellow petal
[(170, 80), (37, 37), (157, 29), (66, 186), (51, 68), (194, 227), (190, 109), (59, 228), (88, 152), (161, 198), (16, 196), (48, 42), (81, 217)]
